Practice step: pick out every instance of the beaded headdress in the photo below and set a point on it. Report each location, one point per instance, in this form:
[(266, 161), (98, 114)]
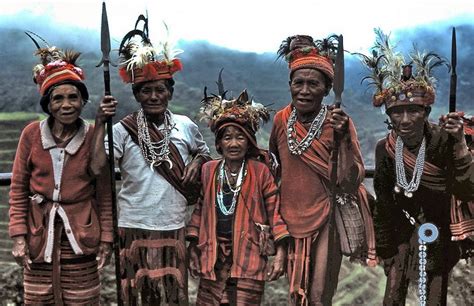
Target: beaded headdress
[(396, 81), (143, 62), (56, 67), (243, 111), (301, 51)]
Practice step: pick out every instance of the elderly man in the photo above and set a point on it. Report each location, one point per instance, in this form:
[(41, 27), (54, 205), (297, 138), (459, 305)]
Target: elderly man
[(302, 141), (160, 155), (439, 165)]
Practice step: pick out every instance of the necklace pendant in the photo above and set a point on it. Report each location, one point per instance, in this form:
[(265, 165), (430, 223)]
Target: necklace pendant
[(170, 163), (152, 165), (397, 189), (408, 194)]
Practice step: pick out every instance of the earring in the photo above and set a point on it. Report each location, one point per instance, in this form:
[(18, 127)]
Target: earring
[(389, 124)]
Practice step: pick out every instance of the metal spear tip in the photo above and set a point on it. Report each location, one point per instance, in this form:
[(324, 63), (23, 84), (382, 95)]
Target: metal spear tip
[(338, 85), (104, 32), (105, 38), (453, 50)]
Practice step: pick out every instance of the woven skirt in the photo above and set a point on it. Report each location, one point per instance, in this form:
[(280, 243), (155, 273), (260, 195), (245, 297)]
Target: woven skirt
[(69, 280), (152, 263), (227, 290)]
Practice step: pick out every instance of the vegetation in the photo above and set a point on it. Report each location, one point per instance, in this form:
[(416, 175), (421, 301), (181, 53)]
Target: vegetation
[(20, 116), (267, 81)]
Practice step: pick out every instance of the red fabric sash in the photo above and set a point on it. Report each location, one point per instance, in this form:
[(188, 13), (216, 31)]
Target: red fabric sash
[(173, 176), (317, 157), (433, 177)]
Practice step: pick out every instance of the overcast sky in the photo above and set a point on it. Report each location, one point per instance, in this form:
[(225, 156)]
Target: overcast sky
[(251, 25)]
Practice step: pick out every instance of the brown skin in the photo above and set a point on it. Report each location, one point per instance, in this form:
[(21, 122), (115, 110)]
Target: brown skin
[(154, 97), (408, 122), (234, 145), (308, 88), (104, 255), (20, 252), (65, 106), (452, 123)]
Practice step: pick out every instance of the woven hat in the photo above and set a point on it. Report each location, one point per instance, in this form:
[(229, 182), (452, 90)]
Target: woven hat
[(56, 67), (301, 51), (143, 62)]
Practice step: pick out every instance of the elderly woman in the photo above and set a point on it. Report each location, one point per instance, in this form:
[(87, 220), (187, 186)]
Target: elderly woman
[(230, 227), (57, 221)]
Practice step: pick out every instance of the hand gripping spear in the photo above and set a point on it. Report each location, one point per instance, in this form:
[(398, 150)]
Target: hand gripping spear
[(105, 47), (454, 77)]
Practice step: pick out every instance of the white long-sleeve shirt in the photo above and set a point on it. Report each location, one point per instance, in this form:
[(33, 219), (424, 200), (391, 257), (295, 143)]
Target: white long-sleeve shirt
[(147, 200)]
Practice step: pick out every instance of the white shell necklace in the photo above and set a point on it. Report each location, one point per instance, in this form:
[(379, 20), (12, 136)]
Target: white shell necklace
[(402, 182), (149, 148), (220, 191), (296, 147)]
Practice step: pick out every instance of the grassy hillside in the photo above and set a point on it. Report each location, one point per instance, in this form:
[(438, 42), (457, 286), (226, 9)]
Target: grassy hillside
[(267, 81)]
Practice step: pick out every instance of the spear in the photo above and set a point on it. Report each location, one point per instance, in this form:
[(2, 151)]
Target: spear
[(105, 47), (454, 77), (338, 88)]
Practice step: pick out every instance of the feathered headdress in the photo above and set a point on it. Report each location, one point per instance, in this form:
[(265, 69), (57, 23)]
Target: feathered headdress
[(242, 112), (396, 81), (141, 61), (56, 65), (301, 51)]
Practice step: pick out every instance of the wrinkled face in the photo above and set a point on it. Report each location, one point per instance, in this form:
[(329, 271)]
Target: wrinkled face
[(408, 122), (154, 97), (308, 88), (233, 144), (65, 104)]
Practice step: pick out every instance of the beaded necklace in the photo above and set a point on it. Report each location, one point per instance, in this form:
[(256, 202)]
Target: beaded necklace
[(427, 232), (296, 147), (402, 182), (220, 188), (149, 149)]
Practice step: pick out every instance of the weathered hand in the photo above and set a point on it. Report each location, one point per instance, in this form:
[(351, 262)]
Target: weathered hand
[(338, 120), (107, 108), (191, 171), (453, 125), (20, 252), (194, 264), (104, 255), (277, 268)]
